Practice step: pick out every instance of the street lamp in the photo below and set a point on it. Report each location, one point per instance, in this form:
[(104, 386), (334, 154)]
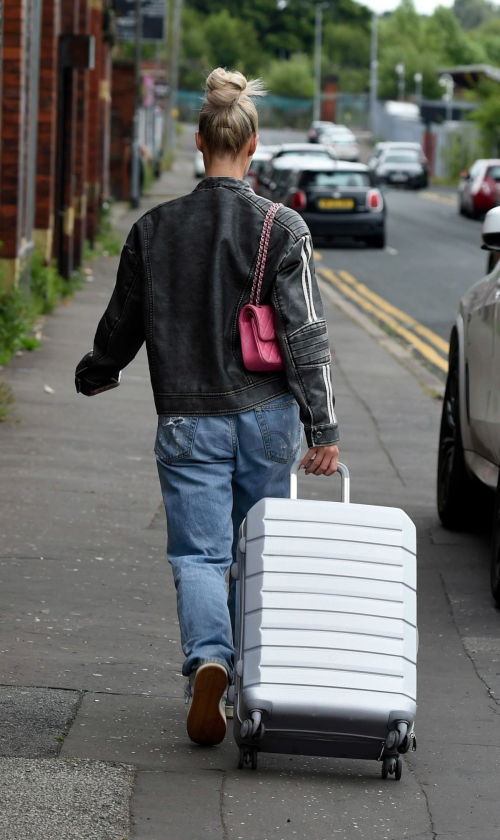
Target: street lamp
[(400, 70), (448, 82), (318, 37), (373, 70), (418, 78)]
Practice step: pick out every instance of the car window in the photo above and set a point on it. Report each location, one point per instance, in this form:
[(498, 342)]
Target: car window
[(308, 151), (494, 173), (401, 157), (281, 177), (335, 179), (475, 169)]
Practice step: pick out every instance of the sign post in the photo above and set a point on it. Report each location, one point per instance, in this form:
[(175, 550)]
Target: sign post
[(153, 18)]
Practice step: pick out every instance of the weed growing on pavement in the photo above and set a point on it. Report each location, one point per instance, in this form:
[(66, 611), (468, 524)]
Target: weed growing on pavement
[(7, 401), (107, 243), (21, 305)]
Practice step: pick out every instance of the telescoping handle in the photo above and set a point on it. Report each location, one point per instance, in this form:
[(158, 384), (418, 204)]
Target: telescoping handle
[(344, 478)]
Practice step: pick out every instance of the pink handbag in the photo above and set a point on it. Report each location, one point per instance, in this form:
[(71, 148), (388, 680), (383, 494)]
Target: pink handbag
[(259, 344)]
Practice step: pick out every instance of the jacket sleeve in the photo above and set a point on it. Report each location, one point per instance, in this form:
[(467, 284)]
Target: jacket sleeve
[(120, 332), (303, 336)]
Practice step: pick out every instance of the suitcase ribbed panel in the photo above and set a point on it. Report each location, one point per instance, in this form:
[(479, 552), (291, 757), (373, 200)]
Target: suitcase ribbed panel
[(329, 617)]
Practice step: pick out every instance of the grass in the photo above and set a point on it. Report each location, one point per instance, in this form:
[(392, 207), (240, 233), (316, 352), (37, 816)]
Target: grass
[(7, 401), (42, 290)]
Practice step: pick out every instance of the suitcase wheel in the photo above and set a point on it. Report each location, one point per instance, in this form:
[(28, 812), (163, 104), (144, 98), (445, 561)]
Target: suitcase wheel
[(392, 766), (248, 756)]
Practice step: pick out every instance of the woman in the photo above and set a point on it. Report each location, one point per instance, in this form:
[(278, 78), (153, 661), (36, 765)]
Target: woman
[(226, 437)]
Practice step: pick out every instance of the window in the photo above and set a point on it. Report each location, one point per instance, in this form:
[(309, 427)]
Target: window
[(493, 173), (401, 157), (335, 179)]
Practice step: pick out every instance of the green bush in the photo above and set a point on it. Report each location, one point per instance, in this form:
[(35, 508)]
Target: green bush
[(16, 319)]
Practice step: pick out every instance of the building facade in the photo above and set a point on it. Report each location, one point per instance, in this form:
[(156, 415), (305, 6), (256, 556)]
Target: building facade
[(55, 82)]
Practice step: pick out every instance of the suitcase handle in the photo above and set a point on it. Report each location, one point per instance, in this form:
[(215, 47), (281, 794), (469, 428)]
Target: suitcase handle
[(344, 478)]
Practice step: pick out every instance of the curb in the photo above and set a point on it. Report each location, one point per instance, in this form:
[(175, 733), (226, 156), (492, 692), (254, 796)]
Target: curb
[(430, 384)]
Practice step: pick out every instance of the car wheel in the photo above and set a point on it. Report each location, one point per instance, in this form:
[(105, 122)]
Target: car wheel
[(495, 550), (377, 241), (455, 489), (461, 209)]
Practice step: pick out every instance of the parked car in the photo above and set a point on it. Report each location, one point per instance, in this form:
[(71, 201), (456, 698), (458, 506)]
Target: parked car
[(199, 166), (479, 188), (394, 145), (342, 142), (261, 158), (401, 167), (335, 199), (273, 181), (469, 439), (316, 130), (304, 149), (289, 151)]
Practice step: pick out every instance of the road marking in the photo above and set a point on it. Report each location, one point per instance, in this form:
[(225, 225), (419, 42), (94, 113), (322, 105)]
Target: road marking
[(356, 291), (444, 199), (317, 256), (391, 251), (406, 319)]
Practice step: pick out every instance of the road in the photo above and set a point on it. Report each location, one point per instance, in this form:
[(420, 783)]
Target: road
[(92, 720), (432, 256)]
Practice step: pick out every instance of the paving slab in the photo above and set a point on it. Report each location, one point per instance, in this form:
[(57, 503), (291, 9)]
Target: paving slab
[(178, 806), (67, 800), (34, 721)]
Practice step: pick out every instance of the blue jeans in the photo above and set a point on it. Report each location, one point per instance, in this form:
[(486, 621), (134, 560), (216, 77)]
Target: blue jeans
[(212, 470)]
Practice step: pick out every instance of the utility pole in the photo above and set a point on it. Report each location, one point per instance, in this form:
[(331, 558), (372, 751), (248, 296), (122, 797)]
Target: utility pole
[(373, 71), (418, 78), (135, 191), (400, 70), (318, 38), (174, 73)]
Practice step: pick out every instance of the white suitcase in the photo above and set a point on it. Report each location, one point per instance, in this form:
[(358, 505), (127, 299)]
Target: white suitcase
[(327, 631)]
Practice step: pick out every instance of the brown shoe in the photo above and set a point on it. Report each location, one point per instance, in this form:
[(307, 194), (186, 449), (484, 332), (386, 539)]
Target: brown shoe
[(206, 721)]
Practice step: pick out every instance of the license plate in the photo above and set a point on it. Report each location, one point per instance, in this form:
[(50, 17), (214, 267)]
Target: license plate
[(336, 203), (399, 176)]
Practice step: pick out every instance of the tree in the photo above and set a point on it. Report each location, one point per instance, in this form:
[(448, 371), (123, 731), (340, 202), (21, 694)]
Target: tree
[(291, 77), (473, 13)]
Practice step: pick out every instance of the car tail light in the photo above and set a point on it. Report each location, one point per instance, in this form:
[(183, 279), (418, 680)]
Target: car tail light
[(299, 200), (374, 201)]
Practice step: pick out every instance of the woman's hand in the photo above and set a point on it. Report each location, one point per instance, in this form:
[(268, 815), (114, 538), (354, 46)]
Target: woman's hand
[(321, 460)]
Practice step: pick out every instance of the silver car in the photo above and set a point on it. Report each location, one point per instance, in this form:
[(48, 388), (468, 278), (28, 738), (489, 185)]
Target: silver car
[(469, 441)]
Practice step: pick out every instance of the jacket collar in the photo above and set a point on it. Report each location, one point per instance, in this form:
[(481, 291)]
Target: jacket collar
[(222, 181)]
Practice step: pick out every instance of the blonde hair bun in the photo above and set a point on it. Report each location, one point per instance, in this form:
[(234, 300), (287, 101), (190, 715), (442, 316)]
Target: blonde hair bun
[(228, 116), (225, 87)]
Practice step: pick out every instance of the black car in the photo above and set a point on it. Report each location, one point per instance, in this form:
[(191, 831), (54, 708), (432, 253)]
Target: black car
[(401, 167), (337, 199)]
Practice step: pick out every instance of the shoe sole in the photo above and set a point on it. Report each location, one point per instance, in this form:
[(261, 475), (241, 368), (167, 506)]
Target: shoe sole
[(206, 721)]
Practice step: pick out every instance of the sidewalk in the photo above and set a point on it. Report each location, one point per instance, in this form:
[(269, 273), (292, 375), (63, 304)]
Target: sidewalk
[(93, 720)]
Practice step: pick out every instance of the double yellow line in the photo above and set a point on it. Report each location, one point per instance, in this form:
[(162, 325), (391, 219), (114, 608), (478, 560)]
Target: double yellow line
[(426, 342)]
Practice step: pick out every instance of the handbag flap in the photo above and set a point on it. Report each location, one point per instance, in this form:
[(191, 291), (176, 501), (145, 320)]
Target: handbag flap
[(263, 321)]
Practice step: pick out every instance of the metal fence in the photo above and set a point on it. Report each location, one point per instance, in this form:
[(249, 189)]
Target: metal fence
[(451, 146), (287, 112)]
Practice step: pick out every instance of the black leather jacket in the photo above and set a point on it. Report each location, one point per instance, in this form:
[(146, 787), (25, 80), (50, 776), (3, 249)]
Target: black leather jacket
[(185, 272)]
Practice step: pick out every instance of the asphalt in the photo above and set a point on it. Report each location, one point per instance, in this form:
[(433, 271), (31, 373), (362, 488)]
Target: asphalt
[(89, 634)]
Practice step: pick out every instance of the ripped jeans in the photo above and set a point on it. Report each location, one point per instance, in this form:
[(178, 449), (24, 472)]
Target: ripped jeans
[(212, 470)]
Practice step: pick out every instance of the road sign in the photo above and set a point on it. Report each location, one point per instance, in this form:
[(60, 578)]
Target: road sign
[(153, 14)]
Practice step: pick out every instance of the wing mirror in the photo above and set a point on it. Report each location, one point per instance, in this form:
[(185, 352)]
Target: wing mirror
[(491, 230)]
